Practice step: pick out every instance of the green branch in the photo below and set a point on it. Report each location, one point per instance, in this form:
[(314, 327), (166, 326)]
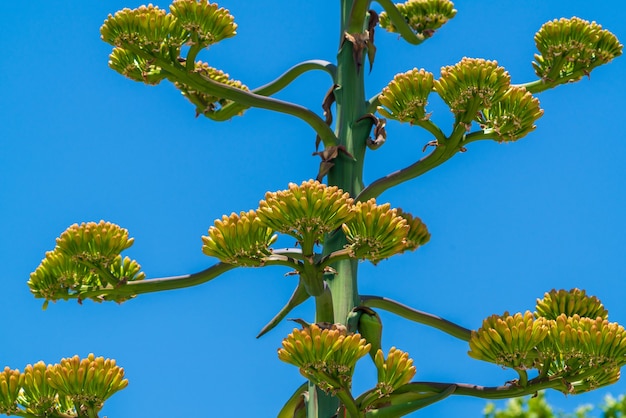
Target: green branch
[(539, 86), (440, 155), (273, 87), (400, 23), (161, 284), (417, 316), (243, 97), (406, 407)]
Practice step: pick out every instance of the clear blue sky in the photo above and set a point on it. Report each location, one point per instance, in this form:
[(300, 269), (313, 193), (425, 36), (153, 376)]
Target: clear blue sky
[(79, 143)]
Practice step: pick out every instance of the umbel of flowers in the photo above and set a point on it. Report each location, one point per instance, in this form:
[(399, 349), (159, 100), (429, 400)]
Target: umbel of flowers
[(568, 340), (74, 387)]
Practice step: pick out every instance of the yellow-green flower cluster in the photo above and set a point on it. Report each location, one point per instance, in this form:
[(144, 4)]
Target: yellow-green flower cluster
[(38, 397), (394, 371), (418, 234), (327, 356), (97, 243), (86, 258), (406, 96), (206, 103), (306, 212), (147, 27), (10, 384), (239, 240), (570, 303), (204, 22), (423, 16), (571, 48), (513, 116), (509, 340), (89, 381), (153, 30), (471, 86), (145, 35), (376, 231), (569, 340), (586, 351), (135, 67), (74, 387), (480, 90)]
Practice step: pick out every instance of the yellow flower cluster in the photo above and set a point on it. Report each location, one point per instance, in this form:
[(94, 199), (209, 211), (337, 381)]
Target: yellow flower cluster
[(327, 356), (569, 340), (423, 16), (308, 212), (571, 48), (86, 257), (73, 387)]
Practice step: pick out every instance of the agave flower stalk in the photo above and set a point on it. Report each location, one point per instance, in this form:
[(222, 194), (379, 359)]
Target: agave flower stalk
[(335, 220)]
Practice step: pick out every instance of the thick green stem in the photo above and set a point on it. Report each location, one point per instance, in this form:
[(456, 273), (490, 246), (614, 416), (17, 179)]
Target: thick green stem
[(347, 174)]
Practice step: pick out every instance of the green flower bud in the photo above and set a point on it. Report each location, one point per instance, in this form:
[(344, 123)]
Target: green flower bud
[(393, 372), (204, 22), (376, 231), (571, 48), (471, 86), (509, 340), (241, 240), (423, 16), (306, 212), (206, 103), (513, 116), (405, 97), (327, 356), (570, 303), (135, 67)]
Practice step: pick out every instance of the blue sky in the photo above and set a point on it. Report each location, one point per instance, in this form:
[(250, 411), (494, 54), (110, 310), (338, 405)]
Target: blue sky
[(80, 143)]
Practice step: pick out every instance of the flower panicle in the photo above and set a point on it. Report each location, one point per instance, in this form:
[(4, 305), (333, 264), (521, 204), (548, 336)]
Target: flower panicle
[(376, 231), (205, 23), (135, 67), (86, 259), (511, 117), (570, 303), (147, 27), (306, 212), (406, 96), (91, 380), (571, 48), (509, 340), (472, 85), (241, 240), (394, 371), (424, 17), (325, 354)]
